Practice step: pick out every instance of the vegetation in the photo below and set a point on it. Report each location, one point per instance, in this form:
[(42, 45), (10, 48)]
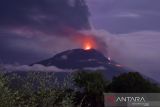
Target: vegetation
[(92, 86), (35, 90), (132, 82), (6, 98), (82, 89)]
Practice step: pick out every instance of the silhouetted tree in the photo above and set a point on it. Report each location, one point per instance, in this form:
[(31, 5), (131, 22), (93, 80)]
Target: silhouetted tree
[(132, 82), (92, 86)]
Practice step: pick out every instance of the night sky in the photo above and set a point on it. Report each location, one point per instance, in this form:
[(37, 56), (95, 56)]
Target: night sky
[(136, 26), (32, 30)]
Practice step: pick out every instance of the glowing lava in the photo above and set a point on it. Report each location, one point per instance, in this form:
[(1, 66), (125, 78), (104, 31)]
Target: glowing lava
[(87, 46), (87, 42)]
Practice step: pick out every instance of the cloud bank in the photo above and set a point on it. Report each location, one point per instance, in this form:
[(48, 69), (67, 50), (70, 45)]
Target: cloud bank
[(36, 67)]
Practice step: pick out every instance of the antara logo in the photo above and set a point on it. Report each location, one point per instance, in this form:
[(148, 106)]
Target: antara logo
[(130, 99)]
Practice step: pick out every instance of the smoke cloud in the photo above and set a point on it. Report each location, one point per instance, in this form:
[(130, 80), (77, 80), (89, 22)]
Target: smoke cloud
[(138, 50)]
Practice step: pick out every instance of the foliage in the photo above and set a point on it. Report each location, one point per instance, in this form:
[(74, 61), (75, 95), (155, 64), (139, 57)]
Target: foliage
[(82, 89), (92, 85), (37, 89), (132, 82), (92, 82), (6, 98)]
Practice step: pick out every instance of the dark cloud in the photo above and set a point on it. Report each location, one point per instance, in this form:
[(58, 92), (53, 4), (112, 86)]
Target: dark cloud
[(32, 29), (28, 49), (47, 15), (15, 49)]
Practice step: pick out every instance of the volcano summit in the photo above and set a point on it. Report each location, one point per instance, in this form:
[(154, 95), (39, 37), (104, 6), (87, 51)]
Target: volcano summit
[(80, 59)]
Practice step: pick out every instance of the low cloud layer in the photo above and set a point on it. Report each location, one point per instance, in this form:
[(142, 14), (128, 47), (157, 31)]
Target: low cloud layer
[(36, 67), (41, 68)]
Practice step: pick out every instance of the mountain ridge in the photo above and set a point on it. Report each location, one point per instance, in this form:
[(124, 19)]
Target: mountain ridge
[(80, 59)]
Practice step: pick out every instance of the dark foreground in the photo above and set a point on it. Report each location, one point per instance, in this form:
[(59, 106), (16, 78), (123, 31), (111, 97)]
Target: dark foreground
[(79, 89)]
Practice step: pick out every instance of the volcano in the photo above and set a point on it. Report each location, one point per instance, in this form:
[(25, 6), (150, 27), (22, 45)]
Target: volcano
[(81, 59)]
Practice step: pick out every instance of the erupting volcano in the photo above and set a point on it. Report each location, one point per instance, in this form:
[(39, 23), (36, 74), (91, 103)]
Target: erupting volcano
[(87, 42), (78, 59)]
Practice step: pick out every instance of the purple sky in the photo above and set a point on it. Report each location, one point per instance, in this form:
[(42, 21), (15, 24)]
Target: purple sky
[(124, 16), (135, 25), (130, 28)]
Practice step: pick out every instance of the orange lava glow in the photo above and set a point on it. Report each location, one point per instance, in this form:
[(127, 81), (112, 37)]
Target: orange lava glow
[(87, 46), (86, 41)]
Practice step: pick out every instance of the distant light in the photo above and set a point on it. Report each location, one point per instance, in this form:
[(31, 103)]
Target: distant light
[(118, 65)]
